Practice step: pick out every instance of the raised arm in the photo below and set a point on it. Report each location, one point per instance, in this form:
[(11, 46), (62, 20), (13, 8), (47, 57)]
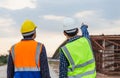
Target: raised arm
[(84, 31)]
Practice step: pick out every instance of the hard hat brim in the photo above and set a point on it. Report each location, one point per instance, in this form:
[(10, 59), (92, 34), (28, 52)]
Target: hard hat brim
[(28, 33)]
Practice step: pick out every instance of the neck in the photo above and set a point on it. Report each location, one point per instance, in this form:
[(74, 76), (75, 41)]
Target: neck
[(68, 37), (28, 38)]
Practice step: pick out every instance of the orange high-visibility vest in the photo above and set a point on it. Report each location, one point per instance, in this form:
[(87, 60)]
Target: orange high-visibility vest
[(26, 55)]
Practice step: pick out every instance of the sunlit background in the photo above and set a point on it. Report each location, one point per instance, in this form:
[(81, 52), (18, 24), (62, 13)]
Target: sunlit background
[(102, 16)]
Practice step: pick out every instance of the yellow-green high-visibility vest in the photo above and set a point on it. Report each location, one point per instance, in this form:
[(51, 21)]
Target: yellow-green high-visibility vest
[(81, 59)]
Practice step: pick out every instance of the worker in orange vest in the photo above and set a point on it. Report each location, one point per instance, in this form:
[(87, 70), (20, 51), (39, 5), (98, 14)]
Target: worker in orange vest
[(27, 58)]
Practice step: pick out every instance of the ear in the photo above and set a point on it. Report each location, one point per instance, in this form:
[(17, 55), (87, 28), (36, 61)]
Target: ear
[(77, 30), (65, 34), (34, 36)]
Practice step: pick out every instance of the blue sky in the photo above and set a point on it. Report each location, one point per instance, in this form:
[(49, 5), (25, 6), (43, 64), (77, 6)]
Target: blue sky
[(102, 16)]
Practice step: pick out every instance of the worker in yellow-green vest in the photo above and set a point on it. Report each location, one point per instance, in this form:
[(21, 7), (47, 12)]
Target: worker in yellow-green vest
[(76, 56)]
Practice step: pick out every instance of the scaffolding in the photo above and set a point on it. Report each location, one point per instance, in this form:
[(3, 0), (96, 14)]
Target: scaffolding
[(107, 53)]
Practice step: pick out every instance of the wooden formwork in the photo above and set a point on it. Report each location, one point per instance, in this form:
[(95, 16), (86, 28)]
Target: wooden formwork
[(107, 53)]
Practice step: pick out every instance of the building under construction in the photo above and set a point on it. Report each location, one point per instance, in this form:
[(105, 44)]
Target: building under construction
[(106, 49)]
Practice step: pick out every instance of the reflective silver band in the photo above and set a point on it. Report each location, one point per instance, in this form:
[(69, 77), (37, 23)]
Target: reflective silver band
[(72, 62), (70, 31), (84, 64), (69, 56), (27, 69), (38, 53), (84, 74), (12, 52), (29, 33)]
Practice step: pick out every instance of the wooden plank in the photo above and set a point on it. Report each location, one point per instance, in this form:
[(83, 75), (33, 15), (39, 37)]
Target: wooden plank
[(113, 53), (98, 45), (113, 43), (109, 60), (112, 49)]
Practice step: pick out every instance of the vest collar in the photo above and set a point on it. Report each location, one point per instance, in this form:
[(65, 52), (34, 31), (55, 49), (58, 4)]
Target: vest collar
[(73, 38), (27, 39)]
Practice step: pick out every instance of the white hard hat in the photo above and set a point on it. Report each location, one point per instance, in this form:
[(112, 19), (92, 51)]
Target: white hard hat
[(69, 23)]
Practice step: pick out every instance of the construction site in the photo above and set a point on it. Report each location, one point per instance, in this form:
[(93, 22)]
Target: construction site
[(106, 49)]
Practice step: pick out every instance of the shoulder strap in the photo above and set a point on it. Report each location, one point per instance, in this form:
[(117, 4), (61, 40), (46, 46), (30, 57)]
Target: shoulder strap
[(12, 52), (64, 48), (38, 51)]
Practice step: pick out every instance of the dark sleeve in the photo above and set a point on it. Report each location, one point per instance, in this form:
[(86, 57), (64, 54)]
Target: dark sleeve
[(85, 32), (63, 69), (44, 64), (10, 67)]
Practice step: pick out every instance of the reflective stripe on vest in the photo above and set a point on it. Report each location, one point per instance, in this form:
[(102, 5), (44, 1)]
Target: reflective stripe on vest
[(72, 62), (69, 57), (27, 69), (12, 52), (84, 74), (38, 53), (36, 60)]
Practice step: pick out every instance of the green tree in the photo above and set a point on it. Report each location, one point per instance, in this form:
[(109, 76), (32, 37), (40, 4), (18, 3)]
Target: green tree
[(3, 59)]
